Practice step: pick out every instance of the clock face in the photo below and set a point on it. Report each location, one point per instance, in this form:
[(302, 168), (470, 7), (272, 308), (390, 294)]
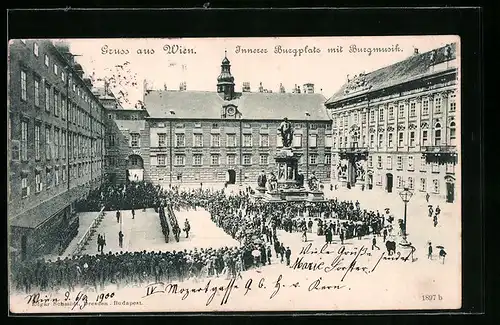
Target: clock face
[(231, 110)]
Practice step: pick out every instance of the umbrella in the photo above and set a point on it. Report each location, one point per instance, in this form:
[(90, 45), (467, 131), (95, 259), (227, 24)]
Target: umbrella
[(255, 253), (440, 247)]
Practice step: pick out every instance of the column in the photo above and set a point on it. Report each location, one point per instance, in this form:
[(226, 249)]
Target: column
[(406, 133), (396, 124), (431, 119), (418, 111), (445, 124)]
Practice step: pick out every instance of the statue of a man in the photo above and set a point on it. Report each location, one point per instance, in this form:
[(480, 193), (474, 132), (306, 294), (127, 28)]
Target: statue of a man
[(273, 182), (286, 132), (262, 179), (313, 182)]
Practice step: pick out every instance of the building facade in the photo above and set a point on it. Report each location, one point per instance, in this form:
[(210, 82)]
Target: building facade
[(223, 136), (398, 127), (55, 146)]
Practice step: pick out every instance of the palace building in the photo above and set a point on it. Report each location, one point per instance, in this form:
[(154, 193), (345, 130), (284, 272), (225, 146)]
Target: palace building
[(397, 127), (223, 135), (55, 146)]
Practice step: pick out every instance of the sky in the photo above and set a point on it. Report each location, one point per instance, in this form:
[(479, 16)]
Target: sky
[(200, 66)]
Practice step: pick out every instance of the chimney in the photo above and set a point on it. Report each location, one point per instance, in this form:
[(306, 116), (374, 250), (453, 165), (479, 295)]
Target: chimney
[(246, 87), (298, 89), (282, 89), (308, 88), (88, 82), (261, 89), (415, 51)]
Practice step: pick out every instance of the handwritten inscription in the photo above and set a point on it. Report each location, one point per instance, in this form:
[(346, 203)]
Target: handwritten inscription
[(274, 287)]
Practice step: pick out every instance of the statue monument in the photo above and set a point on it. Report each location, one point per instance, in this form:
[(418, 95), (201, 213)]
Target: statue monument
[(288, 185)]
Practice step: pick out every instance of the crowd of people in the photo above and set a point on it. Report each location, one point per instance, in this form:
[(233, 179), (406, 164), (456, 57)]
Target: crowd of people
[(252, 223)]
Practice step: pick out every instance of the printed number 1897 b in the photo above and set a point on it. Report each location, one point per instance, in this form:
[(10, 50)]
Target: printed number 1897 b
[(431, 297)]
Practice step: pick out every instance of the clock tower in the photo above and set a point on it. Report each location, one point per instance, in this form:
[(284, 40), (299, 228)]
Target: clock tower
[(225, 81)]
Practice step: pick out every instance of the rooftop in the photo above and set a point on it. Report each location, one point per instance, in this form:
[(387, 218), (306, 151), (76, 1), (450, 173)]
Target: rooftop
[(252, 106), (416, 66)]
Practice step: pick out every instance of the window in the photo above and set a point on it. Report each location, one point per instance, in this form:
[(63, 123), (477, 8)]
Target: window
[(450, 168), (381, 115), (63, 107), (247, 140), (364, 140), (25, 191), (179, 160), (425, 107), (134, 161), (363, 118), (400, 139), (38, 181), (161, 160), (372, 140), (135, 138), (23, 85), (247, 159), (389, 162), (370, 161), (401, 112), (424, 137), (24, 140), (313, 126), (313, 159), (74, 86), (453, 134), (63, 144), (231, 140), (264, 159), (46, 60), (413, 109), (55, 69), (453, 104), (37, 92), (37, 141), (372, 116), (215, 140), (380, 140), (400, 162), (198, 140), (328, 141), (423, 185), (410, 163), (297, 140), (328, 159), (399, 182), (56, 103), (215, 125), (355, 118), (63, 76), (435, 187), (379, 162), (412, 138), (56, 174), (161, 139), (197, 160), (35, 49), (56, 143), (231, 159), (391, 113), (180, 140), (264, 140), (390, 139), (215, 160), (437, 104), (435, 167), (47, 97), (313, 141), (437, 135), (411, 183)]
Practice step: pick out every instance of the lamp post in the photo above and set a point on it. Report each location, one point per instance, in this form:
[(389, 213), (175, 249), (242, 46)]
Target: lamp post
[(171, 142), (405, 195)]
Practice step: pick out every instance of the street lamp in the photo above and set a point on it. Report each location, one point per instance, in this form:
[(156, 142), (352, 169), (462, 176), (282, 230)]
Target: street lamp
[(405, 195), (307, 114)]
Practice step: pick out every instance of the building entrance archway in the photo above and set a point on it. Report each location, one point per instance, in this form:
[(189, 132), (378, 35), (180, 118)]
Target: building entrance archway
[(389, 182), (231, 176), (450, 189), (135, 167)]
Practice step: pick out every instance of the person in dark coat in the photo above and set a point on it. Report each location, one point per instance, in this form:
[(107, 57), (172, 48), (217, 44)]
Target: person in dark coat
[(120, 239), (282, 252), (341, 237), (288, 253), (328, 235), (429, 254), (133, 214), (269, 255), (374, 243), (117, 216)]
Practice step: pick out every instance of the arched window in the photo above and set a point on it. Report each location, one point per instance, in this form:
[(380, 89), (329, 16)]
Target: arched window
[(453, 133), (437, 134)]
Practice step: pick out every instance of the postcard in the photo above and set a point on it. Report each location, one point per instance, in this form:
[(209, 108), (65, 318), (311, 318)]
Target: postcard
[(196, 175)]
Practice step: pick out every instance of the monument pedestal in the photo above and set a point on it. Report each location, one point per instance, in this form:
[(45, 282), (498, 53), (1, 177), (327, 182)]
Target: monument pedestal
[(315, 196), (272, 196)]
